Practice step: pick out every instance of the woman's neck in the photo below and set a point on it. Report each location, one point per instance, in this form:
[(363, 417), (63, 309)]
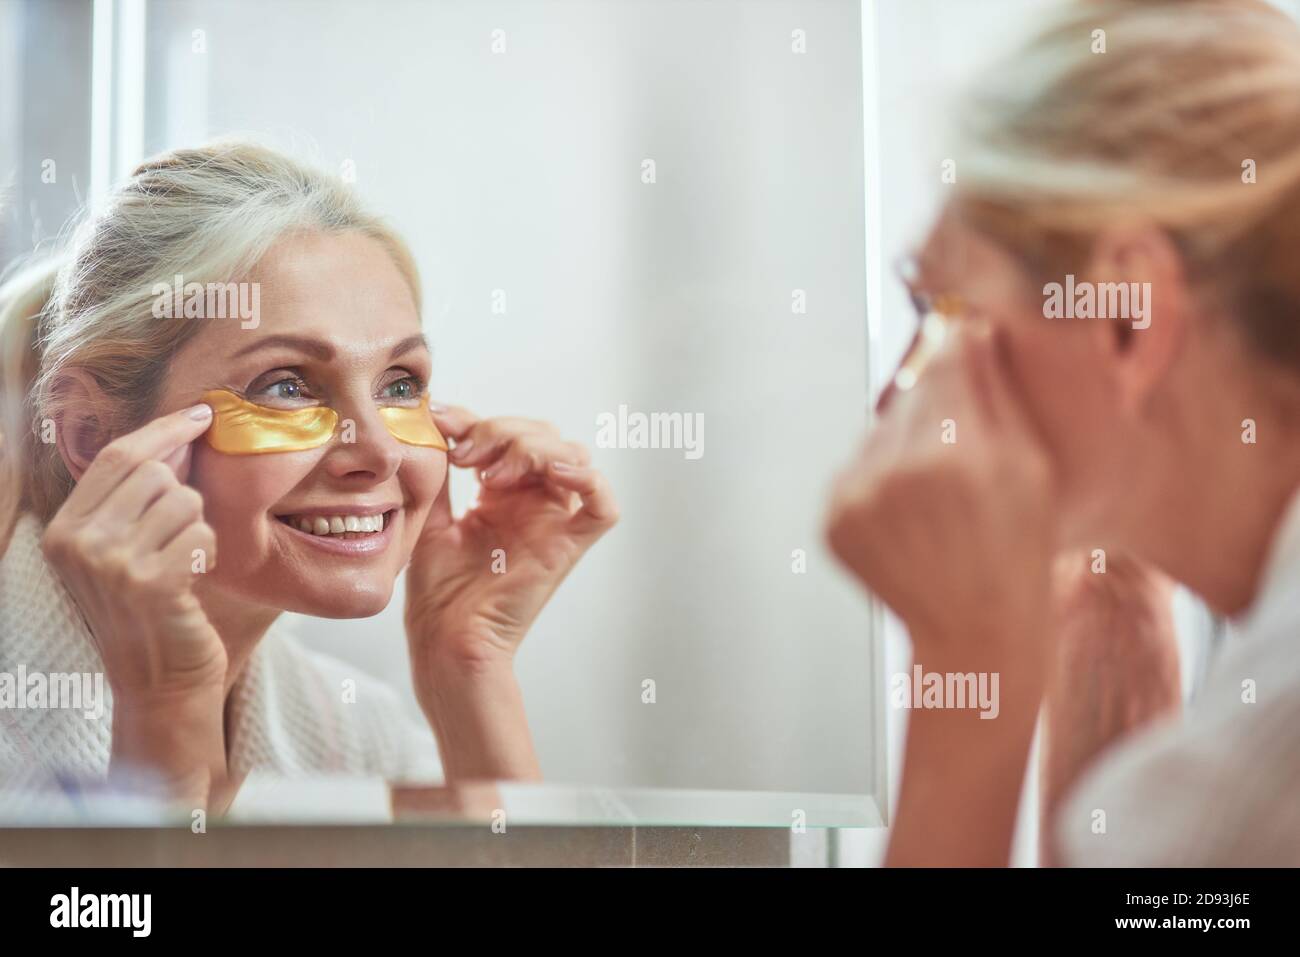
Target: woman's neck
[(241, 626), (1221, 524)]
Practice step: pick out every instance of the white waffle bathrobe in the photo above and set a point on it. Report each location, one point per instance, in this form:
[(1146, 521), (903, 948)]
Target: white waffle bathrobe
[(288, 715)]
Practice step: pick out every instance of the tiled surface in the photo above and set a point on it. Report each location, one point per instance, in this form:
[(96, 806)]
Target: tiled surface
[(400, 846)]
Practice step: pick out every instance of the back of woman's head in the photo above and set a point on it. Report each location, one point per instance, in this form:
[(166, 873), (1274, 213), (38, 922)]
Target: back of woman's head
[(206, 215), (1182, 114)]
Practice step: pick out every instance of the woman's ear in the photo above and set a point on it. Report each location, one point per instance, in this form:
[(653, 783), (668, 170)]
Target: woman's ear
[(1143, 271), (81, 429)]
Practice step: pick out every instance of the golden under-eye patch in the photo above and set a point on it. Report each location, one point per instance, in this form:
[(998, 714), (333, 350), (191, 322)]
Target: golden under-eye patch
[(240, 427), (413, 424), (929, 339), (937, 322)]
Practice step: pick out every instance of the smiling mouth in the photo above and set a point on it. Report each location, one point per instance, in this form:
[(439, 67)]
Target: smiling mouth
[(340, 527)]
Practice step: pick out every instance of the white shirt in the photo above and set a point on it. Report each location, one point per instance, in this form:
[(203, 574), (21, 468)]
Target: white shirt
[(293, 711), (1221, 785)]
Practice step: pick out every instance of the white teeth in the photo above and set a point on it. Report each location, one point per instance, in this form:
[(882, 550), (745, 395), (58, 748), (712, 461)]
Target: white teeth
[(336, 524)]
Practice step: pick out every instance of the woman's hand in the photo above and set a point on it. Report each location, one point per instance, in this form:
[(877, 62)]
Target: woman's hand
[(1117, 662), (476, 584), (126, 544), (946, 516), (1115, 670), (946, 513)]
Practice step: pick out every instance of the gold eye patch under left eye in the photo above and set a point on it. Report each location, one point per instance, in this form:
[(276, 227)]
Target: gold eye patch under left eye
[(413, 424), (240, 427)]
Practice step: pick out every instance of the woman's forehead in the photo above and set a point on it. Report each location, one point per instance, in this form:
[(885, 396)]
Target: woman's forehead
[(330, 272)]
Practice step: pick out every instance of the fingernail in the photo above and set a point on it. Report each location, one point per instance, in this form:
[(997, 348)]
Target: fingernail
[(199, 412), (493, 470), (562, 466), (462, 449), (437, 407)]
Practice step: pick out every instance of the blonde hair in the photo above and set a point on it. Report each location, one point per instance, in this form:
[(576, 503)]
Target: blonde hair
[(1189, 99), (206, 214)]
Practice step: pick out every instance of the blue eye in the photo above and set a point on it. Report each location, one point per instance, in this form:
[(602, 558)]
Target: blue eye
[(287, 389), (406, 388)]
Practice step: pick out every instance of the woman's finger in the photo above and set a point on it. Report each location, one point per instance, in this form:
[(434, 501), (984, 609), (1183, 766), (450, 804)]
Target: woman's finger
[(180, 460), (125, 504), (197, 540), (179, 508), (993, 395), (1004, 392), (453, 421), (947, 410), (599, 509), (158, 439), (531, 456), (482, 445), (514, 425), (982, 373)]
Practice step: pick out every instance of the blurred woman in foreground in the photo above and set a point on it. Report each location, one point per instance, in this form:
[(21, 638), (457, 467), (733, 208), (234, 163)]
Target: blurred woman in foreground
[(1168, 432)]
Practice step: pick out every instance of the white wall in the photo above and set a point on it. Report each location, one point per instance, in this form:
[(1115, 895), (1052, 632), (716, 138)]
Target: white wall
[(520, 171)]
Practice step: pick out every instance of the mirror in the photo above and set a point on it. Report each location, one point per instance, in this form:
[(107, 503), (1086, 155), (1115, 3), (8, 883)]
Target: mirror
[(642, 223)]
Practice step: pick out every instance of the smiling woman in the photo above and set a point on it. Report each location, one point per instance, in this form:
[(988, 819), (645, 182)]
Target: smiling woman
[(164, 562)]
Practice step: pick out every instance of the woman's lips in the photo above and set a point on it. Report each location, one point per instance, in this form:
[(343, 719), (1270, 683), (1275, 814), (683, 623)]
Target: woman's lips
[(356, 543)]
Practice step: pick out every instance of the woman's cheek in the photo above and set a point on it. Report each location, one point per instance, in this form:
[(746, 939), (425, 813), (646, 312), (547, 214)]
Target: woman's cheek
[(240, 493), (1037, 353), (423, 474), (1055, 365)]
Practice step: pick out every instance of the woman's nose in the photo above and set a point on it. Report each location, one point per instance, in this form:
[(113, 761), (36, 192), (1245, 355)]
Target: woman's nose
[(364, 444)]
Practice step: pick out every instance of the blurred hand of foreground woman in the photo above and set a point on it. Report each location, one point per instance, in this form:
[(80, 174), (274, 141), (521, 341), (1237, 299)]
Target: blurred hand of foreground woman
[(946, 515), (1116, 669), (946, 512)]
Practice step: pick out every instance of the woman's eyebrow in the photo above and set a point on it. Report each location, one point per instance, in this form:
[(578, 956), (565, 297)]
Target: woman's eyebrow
[(417, 341), (313, 347), (323, 350)]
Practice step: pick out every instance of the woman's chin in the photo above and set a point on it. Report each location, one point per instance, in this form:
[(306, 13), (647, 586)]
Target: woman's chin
[(358, 600)]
